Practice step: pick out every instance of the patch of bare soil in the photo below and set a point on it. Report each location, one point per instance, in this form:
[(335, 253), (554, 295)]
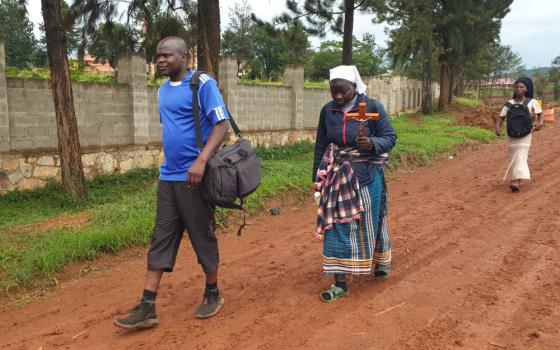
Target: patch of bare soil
[(483, 117), (71, 222)]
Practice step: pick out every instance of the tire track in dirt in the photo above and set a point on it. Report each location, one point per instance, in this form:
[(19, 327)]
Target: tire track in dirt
[(460, 268)]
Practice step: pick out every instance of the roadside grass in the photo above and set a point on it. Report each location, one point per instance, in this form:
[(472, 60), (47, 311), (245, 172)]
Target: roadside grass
[(422, 142), (307, 84), (122, 207), (469, 102), (32, 206)]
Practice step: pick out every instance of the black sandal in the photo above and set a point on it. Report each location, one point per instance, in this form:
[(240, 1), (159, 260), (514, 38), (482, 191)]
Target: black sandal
[(514, 187), (381, 273)]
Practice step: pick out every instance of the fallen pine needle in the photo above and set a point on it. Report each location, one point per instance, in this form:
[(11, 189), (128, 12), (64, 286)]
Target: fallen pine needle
[(79, 334), (498, 345), (359, 334), (389, 309)]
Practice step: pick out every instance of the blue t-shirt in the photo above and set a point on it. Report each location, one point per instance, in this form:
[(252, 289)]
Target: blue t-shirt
[(176, 117)]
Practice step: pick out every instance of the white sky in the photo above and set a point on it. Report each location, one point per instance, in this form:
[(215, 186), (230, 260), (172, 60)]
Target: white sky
[(531, 28)]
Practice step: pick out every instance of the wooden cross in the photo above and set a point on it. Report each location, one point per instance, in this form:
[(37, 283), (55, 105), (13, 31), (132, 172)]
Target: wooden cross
[(362, 117)]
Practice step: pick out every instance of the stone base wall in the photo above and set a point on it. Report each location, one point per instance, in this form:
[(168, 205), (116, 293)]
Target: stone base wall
[(20, 171), (24, 171), (279, 138)]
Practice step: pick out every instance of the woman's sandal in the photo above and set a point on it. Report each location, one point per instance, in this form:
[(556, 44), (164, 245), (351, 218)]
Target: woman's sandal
[(382, 273), (334, 292), (514, 187)]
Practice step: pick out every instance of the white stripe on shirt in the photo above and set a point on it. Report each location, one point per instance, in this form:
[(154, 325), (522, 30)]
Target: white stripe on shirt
[(220, 113), (203, 79)]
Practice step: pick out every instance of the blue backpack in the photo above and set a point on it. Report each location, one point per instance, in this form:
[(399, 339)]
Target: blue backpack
[(519, 123)]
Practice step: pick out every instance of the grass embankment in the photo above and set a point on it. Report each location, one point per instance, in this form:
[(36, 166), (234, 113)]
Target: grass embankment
[(121, 208), (469, 102)]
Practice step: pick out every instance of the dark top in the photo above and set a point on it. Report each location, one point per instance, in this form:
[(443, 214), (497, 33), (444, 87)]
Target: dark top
[(331, 130)]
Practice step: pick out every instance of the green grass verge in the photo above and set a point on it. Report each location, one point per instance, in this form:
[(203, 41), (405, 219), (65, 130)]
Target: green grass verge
[(27, 207), (316, 84), (469, 102), (308, 84), (122, 207), (422, 140)]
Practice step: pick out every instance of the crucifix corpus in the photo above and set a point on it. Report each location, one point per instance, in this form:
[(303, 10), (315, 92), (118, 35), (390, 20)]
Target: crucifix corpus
[(362, 117)]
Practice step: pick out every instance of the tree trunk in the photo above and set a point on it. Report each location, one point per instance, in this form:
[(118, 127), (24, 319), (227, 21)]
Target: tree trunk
[(452, 80), (348, 31), (427, 107), (478, 90), (461, 84), (443, 102), (82, 51), (67, 127), (208, 47)]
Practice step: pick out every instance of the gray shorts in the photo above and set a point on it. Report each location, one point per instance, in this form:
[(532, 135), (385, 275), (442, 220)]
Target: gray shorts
[(180, 208)]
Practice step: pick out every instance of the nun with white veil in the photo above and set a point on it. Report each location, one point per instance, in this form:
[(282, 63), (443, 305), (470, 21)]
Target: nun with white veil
[(349, 180)]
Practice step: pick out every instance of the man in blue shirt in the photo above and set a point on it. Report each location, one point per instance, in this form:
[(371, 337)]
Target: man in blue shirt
[(180, 204)]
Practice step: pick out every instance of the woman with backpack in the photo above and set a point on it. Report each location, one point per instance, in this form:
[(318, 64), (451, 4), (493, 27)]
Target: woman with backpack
[(348, 171), (518, 113)]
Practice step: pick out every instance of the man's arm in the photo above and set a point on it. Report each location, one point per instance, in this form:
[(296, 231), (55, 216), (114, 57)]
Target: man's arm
[(217, 136)]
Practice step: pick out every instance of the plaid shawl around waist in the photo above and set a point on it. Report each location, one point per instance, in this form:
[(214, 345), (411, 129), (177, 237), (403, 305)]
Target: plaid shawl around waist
[(340, 200)]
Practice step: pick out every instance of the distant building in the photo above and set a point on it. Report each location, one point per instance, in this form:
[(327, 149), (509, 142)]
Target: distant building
[(498, 83), (92, 64)]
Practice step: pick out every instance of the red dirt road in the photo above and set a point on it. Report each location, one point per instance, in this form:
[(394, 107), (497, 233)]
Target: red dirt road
[(475, 267)]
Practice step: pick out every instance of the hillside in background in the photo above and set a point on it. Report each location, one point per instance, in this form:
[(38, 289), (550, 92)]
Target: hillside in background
[(541, 71)]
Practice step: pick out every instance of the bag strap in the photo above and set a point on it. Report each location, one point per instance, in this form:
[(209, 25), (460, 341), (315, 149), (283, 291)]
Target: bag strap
[(233, 124), (238, 207), (195, 84), (196, 115), (526, 102), (196, 108)]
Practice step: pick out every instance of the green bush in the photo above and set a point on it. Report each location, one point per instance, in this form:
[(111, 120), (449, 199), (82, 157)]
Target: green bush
[(75, 75)]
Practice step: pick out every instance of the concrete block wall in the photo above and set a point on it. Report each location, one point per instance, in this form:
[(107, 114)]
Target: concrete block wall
[(112, 116), (263, 107), (313, 100), (127, 113), (103, 113), (154, 124), (396, 93)]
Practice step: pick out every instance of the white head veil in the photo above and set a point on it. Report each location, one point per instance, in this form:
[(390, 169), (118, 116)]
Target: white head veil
[(351, 74)]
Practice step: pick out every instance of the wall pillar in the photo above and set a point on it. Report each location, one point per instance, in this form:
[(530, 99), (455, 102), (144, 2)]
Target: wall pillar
[(228, 84), (293, 77), (4, 119), (132, 71)]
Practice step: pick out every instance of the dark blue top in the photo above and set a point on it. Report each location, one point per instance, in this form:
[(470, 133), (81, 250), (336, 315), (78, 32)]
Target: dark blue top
[(178, 131), (331, 130)]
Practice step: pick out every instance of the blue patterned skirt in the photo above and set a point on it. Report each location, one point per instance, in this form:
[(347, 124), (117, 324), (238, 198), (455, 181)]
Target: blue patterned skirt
[(360, 247)]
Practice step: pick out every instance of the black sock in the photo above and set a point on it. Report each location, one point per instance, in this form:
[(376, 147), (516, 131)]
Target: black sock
[(341, 284), (212, 286), (149, 296)]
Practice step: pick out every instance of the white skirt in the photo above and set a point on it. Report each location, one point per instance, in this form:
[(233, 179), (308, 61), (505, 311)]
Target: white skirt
[(518, 168)]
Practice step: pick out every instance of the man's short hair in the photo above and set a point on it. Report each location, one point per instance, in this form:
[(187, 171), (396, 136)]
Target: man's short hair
[(176, 42)]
